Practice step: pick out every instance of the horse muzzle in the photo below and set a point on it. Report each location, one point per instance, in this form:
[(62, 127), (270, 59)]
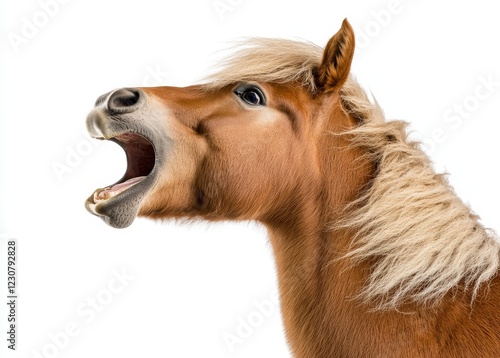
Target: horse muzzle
[(124, 117)]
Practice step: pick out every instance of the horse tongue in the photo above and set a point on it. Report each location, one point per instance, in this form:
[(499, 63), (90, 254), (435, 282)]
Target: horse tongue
[(118, 188), (126, 184)]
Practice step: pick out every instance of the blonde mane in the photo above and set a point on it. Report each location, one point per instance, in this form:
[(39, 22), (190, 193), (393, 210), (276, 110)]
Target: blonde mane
[(422, 239), (269, 60), (426, 241)]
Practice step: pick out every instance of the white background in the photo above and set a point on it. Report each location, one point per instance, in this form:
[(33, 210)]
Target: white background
[(192, 283)]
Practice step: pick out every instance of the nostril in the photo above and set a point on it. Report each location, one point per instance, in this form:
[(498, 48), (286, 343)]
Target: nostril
[(124, 100)]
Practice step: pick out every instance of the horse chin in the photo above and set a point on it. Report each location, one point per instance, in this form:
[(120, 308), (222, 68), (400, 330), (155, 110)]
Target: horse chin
[(119, 210)]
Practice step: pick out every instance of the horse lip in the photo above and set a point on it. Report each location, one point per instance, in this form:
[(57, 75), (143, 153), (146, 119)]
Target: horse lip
[(121, 210)]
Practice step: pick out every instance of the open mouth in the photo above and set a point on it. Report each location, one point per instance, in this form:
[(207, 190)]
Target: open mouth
[(140, 163), (119, 203)]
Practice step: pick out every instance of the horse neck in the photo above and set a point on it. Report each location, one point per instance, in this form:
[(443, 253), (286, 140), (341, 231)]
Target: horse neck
[(305, 224), (304, 243), (318, 286)]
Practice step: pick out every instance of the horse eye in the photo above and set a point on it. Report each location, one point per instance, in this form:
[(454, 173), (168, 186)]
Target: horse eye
[(251, 95)]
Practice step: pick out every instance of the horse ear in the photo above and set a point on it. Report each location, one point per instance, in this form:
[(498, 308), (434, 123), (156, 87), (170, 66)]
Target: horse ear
[(337, 58)]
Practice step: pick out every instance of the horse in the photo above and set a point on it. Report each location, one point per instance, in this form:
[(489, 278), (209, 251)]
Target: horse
[(376, 255)]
